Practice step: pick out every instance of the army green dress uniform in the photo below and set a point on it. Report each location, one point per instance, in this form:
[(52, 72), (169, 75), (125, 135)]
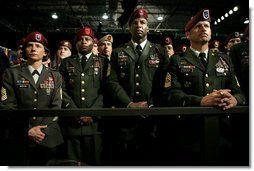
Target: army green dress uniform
[(83, 89), (191, 81), (19, 91), (135, 78)]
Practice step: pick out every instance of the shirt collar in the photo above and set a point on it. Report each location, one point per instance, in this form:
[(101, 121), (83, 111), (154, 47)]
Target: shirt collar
[(198, 52), (141, 44), (87, 55), (31, 69)]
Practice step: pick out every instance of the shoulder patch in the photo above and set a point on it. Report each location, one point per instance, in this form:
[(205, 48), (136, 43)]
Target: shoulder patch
[(3, 94)]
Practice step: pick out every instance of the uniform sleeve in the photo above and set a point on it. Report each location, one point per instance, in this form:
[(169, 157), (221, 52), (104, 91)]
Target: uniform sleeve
[(57, 96), (116, 91), (8, 97), (67, 101)]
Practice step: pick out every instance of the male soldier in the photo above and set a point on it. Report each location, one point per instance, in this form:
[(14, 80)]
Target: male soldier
[(168, 44), (105, 46), (83, 75), (33, 86), (199, 78), (137, 78)]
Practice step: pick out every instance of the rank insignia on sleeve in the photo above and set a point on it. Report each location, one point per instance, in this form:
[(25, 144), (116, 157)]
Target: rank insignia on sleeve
[(3, 94), (167, 81)]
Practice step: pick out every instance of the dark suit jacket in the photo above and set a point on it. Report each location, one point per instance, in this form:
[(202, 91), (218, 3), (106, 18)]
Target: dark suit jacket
[(191, 81), (21, 92)]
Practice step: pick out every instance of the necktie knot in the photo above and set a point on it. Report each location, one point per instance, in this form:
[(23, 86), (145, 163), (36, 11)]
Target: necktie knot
[(35, 72), (202, 57), (139, 49)]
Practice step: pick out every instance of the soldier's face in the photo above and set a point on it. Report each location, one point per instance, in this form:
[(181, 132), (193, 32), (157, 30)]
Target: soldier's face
[(201, 32), (35, 51), (105, 48), (63, 52), (139, 28), (85, 44)]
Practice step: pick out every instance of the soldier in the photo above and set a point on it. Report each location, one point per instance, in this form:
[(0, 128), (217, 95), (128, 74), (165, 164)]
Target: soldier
[(138, 70), (199, 78), (33, 86), (231, 40), (84, 75), (240, 58), (215, 46), (105, 46), (63, 51), (168, 44)]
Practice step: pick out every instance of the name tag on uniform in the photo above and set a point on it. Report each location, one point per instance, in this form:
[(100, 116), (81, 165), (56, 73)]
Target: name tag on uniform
[(23, 83)]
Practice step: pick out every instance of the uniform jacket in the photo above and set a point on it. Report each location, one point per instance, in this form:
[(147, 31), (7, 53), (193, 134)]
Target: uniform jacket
[(20, 92), (239, 54), (134, 78), (191, 81), (83, 88)]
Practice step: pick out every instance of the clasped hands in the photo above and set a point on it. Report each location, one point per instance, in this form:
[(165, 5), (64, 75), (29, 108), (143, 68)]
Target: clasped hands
[(219, 98)]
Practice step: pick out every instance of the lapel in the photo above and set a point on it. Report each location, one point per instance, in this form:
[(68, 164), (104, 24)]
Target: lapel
[(76, 63), (212, 60), (89, 62), (192, 58), (25, 73), (130, 50), (146, 51)]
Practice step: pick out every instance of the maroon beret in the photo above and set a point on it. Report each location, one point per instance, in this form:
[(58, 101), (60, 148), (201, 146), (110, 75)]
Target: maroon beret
[(231, 36), (65, 43), (138, 13), (95, 40), (166, 41), (86, 31), (21, 42), (36, 37), (203, 15)]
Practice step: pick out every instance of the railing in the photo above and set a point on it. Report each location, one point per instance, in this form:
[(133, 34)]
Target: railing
[(211, 121)]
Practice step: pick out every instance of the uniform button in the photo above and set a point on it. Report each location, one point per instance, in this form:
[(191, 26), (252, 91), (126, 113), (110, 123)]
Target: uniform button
[(35, 100), (137, 84), (35, 108), (82, 82), (207, 84), (137, 92), (137, 75), (121, 67), (83, 74), (83, 98), (83, 90), (206, 75), (207, 94), (138, 66), (35, 92), (225, 73), (186, 74)]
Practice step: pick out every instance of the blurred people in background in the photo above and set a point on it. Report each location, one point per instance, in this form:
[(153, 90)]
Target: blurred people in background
[(231, 40), (168, 44)]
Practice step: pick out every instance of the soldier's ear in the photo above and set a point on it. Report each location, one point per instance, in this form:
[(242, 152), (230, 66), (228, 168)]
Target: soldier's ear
[(187, 34)]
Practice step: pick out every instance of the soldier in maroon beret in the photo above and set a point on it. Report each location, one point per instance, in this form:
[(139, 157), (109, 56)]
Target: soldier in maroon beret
[(84, 74), (203, 78), (136, 80), (215, 46), (231, 40), (168, 44), (34, 86)]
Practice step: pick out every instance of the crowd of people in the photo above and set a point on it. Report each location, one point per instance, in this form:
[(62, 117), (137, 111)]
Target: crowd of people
[(137, 74)]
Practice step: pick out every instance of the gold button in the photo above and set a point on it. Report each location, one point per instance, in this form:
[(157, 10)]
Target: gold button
[(83, 98), (82, 82), (207, 84), (83, 74), (83, 90)]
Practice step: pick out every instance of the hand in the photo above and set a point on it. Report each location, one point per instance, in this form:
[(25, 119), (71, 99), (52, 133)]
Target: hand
[(35, 134), (142, 104), (228, 100), (85, 120)]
